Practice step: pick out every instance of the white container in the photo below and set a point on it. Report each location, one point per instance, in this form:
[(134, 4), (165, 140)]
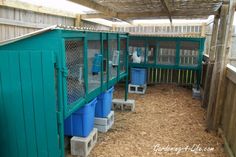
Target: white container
[(115, 58)]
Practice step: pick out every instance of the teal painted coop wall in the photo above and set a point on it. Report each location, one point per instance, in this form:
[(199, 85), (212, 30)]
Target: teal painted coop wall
[(34, 91), (28, 105), (33, 94), (181, 65)]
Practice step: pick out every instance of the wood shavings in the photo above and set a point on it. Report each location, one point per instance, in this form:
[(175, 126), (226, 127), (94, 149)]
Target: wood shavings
[(165, 115)]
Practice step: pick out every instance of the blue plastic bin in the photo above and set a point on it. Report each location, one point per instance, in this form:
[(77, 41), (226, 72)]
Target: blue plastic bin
[(81, 122), (138, 76), (104, 102)]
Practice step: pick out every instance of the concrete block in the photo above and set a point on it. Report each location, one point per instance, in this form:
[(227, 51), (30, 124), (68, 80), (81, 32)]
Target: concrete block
[(121, 104), (137, 89), (104, 121), (104, 124), (81, 146)]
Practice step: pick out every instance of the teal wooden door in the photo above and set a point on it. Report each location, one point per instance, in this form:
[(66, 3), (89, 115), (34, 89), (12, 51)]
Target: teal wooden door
[(28, 119)]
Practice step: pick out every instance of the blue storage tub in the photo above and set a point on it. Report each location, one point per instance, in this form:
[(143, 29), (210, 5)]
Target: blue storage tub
[(138, 76), (104, 102), (81, 122)]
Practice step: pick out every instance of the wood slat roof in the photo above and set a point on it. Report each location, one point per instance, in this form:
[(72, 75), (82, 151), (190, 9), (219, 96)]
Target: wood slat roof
[(146, 9)]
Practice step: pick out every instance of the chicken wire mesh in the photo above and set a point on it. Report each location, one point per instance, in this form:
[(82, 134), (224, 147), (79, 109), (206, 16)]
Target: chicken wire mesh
[(189, 52), (167, 53), (75, 65), (94, 65)]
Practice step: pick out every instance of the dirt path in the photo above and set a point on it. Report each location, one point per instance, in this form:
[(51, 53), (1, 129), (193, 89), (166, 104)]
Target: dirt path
[(165, 116)]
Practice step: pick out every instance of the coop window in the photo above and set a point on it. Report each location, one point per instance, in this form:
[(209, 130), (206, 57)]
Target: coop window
[(75, 65), (150, 57), (137, 46), (189, 53), (113, 51), (94, 64), (123, 48), (167, 53)]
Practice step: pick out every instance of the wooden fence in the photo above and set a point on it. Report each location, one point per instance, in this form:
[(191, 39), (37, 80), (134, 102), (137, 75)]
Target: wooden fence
[(228, 119), (191, 29), (16, 22)]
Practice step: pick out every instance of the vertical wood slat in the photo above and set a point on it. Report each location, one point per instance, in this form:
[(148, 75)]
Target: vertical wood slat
[(230, 135), (13, 146), (222, 78), (228, 119), (216, 70), (181, 77), (37, 82), (27, 100), (8, 132), (49, 102), (9, 31)]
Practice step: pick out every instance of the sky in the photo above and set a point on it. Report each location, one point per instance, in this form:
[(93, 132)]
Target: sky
[(79, 9)]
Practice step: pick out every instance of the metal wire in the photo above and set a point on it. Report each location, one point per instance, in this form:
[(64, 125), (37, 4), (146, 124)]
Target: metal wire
[(74, 62)]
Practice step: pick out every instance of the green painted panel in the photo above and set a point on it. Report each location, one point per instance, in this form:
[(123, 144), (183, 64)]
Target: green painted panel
[(49, 103), (26, 87), (28, 105), (17, 108), (8, 132), (38, 97)]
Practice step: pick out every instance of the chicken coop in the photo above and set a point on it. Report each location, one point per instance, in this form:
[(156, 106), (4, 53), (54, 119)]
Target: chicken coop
[(67, 67), (173, 59), (49, 74)]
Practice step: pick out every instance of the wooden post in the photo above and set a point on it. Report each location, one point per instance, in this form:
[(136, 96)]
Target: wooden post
[(203, 31), (221, 41), (113, 27), (222, 79), (210, 62), (78, 20)]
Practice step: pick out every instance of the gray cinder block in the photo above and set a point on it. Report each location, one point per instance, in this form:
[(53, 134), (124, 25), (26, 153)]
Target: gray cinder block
[(81, 146)]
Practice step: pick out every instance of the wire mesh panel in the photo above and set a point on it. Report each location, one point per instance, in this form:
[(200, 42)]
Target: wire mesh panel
[(137, 50), (94, 64), (150, 57), (112, 66), (167, 53), (123, 49), (75, 65), (189, 53)]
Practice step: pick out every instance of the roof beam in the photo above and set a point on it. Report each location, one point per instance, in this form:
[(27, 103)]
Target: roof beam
[(91, 16), (177, 14), (167, 8), (105, 12), (35, 8), (93, 5)]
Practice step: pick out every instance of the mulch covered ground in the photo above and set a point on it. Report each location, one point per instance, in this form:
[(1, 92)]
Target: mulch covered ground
[(165, 118)]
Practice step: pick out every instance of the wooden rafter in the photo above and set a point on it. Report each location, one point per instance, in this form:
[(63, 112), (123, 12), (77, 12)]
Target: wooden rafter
[(35, 8), (177, 14), (93, 5), (105, 12), (167, 9), (96, 15)]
